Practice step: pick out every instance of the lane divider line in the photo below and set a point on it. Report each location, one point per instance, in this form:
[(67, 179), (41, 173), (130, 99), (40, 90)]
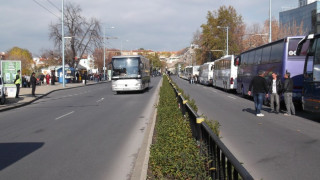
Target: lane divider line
[(100, 100), (64, 115)]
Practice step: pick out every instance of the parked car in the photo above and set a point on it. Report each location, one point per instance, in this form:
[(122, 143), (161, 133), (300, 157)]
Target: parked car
[(2, 92)]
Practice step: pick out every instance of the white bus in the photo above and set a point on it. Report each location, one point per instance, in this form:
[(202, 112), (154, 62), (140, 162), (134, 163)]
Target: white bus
[(130, 73), (190, 71), (206, 73), (225, 73)]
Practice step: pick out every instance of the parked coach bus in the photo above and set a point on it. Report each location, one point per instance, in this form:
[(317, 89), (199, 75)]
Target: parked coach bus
[(279, 57), (225, 73), (191, 71), (205, 73), (130, 73), (310, 46)]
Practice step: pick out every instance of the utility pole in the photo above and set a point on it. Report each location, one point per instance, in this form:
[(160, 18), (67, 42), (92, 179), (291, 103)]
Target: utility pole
[(62, 36), (270, 38)]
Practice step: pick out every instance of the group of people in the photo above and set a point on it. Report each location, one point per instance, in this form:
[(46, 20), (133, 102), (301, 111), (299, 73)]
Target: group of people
[(18, 82), (259, 88), (193, 78)]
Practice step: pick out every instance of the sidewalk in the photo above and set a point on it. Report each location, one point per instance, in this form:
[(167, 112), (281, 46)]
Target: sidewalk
[(41, 91)]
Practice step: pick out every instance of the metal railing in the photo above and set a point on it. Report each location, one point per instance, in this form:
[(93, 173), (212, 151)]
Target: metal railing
[(222, 163)]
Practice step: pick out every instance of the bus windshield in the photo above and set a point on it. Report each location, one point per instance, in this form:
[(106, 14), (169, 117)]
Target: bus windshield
[(125, 67), (293, 43)]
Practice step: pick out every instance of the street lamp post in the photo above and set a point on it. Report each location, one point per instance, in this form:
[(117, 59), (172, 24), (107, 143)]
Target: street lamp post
[(104, 52), (227, 28), (270, 21), (62, 39)]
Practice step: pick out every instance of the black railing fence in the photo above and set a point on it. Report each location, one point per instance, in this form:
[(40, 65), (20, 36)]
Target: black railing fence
[(221, 162)]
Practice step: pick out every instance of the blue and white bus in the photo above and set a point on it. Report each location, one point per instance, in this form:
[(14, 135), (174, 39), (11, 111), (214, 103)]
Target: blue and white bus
[(279, 57), (130, 73), (310, 46)]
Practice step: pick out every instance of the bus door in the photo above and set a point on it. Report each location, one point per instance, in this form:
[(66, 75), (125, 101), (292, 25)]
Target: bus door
[(311, 75)]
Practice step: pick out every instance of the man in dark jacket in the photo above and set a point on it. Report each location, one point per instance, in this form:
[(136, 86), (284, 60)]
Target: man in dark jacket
[(33, 81), (259, 86), (275, 89), (287, 93)]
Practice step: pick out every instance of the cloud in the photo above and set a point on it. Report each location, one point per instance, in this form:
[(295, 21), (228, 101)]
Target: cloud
[(150, 24)]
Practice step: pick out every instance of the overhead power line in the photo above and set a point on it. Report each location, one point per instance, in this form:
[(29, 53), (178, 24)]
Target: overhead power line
[(54, 5), (45, 8)]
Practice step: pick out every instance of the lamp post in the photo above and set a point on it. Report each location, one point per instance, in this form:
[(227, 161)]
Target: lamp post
[(62, 39), (227, 28), (104, 52), (270, 21)]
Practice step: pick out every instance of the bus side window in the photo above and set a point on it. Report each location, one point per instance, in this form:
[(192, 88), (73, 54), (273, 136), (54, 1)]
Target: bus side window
[(276, 52), (251, 57), (265, 55), (258, 56)]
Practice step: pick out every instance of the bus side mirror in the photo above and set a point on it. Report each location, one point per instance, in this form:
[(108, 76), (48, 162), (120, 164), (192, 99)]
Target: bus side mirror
[(141, 66)]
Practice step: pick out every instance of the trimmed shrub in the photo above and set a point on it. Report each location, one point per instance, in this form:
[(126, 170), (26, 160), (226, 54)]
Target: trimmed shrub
[(174, 152)]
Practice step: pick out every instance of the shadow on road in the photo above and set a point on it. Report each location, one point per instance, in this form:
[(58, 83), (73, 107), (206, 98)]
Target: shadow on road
[(13, 152)]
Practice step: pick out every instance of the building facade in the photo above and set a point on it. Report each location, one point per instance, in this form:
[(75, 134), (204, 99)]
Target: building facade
[(307, 13)]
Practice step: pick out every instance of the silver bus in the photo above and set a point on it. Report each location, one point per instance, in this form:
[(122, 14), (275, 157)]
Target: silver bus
[(225, 73), (130, 73)]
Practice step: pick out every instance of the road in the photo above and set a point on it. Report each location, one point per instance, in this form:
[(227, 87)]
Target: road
[(271, 147), (82, 133)]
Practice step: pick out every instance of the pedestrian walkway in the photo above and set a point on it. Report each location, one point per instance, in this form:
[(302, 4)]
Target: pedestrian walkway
[(25, 96)]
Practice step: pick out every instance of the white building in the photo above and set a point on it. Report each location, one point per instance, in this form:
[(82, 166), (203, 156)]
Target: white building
[(88, 63)]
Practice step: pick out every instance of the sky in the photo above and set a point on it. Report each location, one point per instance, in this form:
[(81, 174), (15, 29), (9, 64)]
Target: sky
[(158, 25)]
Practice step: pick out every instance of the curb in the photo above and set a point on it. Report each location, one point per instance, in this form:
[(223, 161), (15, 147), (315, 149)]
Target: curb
[(43, 95)]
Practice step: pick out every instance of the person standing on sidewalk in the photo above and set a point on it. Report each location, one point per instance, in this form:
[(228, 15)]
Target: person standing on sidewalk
[(287, 93), (17, 82), (33, 82), (275, 89), (259, 86), (48, 78)]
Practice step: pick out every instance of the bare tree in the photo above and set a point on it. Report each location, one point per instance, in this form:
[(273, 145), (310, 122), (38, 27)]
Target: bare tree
[(52, 57), (85, 34)]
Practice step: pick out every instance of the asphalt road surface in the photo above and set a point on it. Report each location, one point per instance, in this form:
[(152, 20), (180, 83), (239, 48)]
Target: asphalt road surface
[(273, 147), (82, 133)]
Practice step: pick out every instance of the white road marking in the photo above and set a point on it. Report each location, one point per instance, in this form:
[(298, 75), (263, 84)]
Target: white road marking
[(232, 97), (100, 100), (214, 91), (64, 115)]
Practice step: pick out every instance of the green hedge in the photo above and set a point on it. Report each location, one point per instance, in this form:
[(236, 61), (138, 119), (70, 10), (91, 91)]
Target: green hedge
[(174, 153)]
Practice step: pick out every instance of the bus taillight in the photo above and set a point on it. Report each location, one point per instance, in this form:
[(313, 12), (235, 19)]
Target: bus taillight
[(231, 80)]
